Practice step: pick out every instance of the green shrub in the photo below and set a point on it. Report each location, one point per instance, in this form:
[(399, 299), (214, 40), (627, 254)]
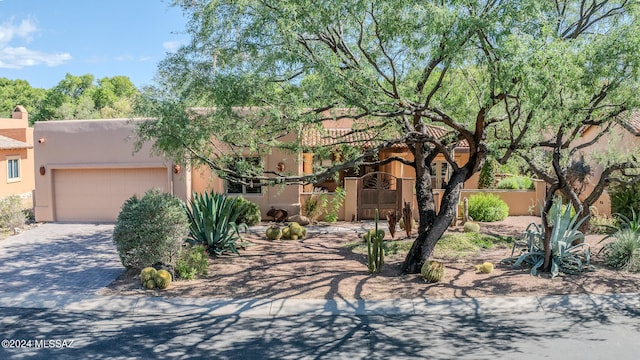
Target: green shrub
[(11, 212), (487, 177), (516, 183), (624, 199), (487, 207), (193, 262), (471, 227), (249, 212), (602, 224), (150, 230), (335, 205), (212, 222)]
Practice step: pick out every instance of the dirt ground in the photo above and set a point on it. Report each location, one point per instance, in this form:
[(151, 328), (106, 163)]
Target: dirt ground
[(320, 267)]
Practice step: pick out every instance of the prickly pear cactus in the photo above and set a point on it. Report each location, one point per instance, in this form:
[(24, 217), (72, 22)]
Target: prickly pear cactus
[(162, 279), (147, 274), (433, 271)]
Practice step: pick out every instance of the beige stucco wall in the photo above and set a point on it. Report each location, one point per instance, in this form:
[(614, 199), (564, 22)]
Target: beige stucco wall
[(17, 127), (618, 140), (92, 144), (282, 197)]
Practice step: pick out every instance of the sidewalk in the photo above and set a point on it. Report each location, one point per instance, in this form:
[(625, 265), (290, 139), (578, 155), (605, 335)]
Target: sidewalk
[(292, 307)]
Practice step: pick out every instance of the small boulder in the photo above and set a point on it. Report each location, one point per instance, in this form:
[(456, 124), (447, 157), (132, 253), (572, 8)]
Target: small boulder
[(278, 215), (300, 219), (167, 267)]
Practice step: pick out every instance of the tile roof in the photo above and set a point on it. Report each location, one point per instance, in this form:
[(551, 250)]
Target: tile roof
[(633, 122), (312, 137), (7, 143)]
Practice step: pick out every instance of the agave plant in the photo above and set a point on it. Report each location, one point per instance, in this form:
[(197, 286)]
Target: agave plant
[(212, 220), (565, 257)]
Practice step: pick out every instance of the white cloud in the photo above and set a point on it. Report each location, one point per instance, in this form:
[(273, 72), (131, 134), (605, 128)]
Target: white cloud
[(19, 56), (9, 30), (171, 46)]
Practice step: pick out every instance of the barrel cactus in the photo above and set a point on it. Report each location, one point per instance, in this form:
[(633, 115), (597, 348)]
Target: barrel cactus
[(162, 279), (471, 227), (274, 232), (297, 230), (150, 284), (433, 271), (294, 231), (485, 268), (147, 274)]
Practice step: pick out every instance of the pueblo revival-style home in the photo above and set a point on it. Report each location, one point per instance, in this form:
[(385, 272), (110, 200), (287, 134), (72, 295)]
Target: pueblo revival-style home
[(16, 156), (86, 169)]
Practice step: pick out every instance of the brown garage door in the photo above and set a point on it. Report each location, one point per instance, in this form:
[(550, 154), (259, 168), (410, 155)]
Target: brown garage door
[(98, 194)]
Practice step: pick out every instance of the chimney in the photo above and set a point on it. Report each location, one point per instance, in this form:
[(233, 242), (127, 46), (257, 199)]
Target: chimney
[(19, 112)]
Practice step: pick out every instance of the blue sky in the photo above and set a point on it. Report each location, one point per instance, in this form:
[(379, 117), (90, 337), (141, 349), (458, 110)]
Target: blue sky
[(43, 40)]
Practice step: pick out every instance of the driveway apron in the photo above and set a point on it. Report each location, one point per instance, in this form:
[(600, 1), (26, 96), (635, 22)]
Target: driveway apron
[(57, 257)]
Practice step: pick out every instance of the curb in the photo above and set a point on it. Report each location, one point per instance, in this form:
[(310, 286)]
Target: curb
[(318, 307)]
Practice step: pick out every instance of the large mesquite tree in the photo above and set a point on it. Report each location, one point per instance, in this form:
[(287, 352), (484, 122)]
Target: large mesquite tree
[(257, 70)]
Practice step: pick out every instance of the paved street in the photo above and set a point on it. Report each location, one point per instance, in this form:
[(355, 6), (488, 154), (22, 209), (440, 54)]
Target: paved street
[(113, 335)]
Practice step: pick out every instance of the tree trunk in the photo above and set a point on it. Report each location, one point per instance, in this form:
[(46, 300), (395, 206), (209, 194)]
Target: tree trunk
[(546, 229), (432, 225)]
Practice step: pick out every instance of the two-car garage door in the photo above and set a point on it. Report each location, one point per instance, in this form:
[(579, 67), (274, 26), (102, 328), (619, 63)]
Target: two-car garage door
[(96, 195)]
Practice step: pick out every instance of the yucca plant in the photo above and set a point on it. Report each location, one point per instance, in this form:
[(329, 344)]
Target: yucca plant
[(565, 257), (624, 252), (632, 223), (212, 218)]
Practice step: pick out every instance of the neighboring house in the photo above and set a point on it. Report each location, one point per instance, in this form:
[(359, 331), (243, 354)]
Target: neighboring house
[(16, 156), (623, 137), (86, 169)]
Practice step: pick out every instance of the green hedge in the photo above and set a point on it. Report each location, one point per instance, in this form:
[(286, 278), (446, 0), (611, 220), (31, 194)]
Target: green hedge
[(487, 207), (516, 183)]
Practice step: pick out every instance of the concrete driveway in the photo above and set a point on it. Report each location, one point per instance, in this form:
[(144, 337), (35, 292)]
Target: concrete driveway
[(56, 257)]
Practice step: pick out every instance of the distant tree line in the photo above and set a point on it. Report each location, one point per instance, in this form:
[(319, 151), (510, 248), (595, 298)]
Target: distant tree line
[(74, 97)]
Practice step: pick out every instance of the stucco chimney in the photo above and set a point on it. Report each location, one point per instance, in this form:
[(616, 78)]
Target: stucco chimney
[(19, 112)]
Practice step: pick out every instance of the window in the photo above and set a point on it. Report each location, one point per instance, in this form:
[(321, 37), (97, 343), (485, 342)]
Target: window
[(244, 166), (13, 169), (440, 172)]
